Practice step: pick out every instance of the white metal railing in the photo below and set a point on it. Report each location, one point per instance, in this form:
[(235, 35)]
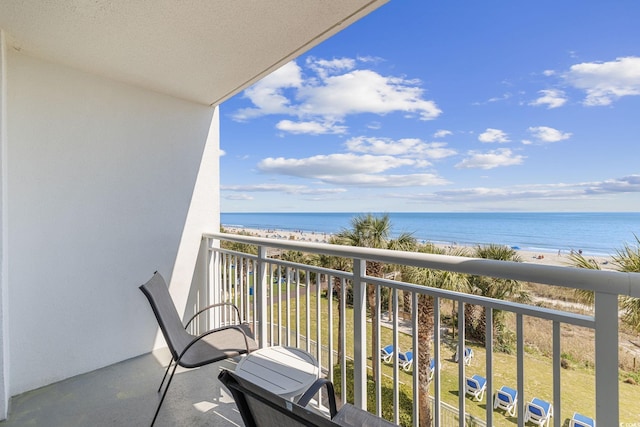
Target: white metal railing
[(260, 284)]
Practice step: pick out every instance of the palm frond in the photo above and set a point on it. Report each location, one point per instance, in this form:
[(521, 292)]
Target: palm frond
[(628, 259)]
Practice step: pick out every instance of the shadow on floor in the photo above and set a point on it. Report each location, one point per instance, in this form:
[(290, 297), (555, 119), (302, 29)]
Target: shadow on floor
[(125, 394)]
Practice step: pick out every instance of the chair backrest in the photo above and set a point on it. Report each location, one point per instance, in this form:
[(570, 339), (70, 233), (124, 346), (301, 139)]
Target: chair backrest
[(157, 293), (388, 349), (539, 407), (476, 382), (579, 420), (261, 408), (408, 356), (507, 394)]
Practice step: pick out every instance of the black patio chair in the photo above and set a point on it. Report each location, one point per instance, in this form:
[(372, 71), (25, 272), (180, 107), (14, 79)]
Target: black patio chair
[(188, 350), (262, 408)]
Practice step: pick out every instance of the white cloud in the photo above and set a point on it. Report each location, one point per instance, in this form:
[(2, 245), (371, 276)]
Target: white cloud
[(560, 191), (483, 194), (549, 73), (605, 82), (365, 91), (352, 170), (545, 134), (313, 128), (238, 197), (493, 135), (504, 97), (331, 164), (373, 59), (490, 160), (441, 133), (279, 188), (627, 184), (412, 147), (334, 90), (552, 98), (268, 94), (326, 67), (370, 180), (263, 187)]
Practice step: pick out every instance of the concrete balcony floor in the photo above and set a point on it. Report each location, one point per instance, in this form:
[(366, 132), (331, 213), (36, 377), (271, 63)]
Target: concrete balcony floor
[(125, 394)]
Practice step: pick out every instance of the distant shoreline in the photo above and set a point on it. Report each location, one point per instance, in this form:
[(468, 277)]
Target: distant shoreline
[(596, 234), (547, 257)]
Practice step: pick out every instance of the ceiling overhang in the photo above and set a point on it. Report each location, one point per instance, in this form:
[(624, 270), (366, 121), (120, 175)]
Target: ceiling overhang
[(203, 51)]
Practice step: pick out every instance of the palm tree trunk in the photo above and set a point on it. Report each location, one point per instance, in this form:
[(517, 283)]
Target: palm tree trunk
[(425, 334), (482, 324), (469, 320), (406, 302)]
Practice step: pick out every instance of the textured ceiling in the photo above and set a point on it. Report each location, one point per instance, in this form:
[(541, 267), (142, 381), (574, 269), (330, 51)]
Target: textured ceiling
[(200, 50)]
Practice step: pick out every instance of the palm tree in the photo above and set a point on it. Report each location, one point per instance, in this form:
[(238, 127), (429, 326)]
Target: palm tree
[(578, 260), (372, 231), (438, 279), (342, 264), (492, 287), (628, 260)]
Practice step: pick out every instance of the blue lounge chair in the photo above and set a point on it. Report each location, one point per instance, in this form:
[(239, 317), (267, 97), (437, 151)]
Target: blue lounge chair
[(432, 369), (406, 360), (579, 420), (539, 412), (468, 355), (506, 398), (475, 386), (386, 353)]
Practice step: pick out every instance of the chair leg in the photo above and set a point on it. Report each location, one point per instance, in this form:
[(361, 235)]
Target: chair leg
[(165, 375), (175, 366)]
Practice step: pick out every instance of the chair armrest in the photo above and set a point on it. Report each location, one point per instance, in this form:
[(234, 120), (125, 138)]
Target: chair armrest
[(311, 391), (212, 331), (210, 307)]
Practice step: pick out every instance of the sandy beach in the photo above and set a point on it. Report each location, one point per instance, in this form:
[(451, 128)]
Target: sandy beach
[(548, 258)]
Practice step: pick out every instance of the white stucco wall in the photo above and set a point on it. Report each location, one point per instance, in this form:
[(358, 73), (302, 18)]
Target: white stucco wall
[(100, 182), (4, 288)]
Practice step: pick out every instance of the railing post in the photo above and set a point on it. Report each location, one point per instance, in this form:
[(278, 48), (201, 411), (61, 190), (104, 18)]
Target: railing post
[(435, 414), (260, 288), (488, 345), (557, 384), (461, 366), (360, 334), (520, 367), (607, 397), (396, 345), (206, 263)]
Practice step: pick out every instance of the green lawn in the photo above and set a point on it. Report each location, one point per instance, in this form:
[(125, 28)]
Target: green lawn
[(578, 384)]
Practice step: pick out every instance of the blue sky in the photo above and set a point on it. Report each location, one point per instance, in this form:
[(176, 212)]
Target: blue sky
[(437, 106)]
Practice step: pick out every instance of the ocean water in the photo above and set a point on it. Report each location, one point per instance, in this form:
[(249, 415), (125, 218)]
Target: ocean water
[(601, 233)]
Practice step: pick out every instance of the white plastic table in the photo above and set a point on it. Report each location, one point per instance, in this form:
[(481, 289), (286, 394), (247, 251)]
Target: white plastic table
[(285, 371)]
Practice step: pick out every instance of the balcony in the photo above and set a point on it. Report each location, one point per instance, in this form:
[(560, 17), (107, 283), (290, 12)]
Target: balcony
[(285, 306), (280, 298)]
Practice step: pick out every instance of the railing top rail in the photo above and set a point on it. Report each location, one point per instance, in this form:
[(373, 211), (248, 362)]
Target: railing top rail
[(604, 281), (526, 309)]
